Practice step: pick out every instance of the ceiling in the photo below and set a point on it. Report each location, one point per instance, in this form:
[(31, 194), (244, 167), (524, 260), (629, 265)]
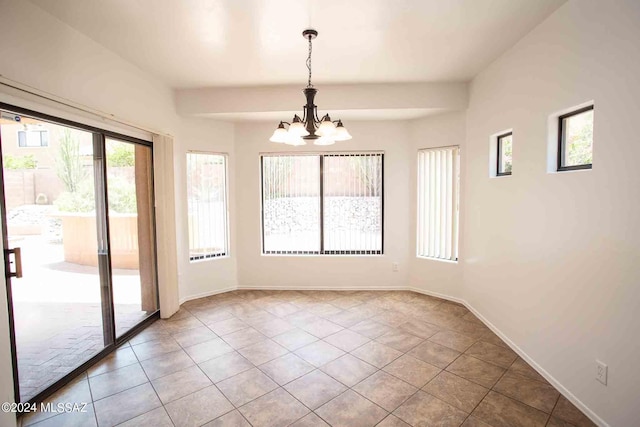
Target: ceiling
[(198, 43)]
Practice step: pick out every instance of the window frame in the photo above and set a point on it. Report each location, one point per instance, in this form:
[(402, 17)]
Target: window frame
[(499, 138), (562, 139), (227, 240), (322, 251), (26, 137)]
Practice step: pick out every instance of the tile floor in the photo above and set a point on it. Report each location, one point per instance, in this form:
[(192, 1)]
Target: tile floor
[(55, 338), (315, 358)]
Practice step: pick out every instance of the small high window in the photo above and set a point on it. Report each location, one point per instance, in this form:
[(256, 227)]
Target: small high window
[(575, 139), (505, 149), (33, 138)]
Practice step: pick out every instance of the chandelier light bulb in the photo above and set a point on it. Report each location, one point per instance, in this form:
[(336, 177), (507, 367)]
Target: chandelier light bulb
[(297, 127), (326, 128), (280, 135), (341, 133), (324, 140), (295, 140)]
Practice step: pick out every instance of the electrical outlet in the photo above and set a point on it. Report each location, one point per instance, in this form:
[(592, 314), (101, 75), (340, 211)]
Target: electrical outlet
[(601, 372), (394, 266)]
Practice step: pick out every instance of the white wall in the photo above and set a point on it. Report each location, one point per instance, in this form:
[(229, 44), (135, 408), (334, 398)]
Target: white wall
[(340, 272), (206, 277), (435, 276), (553, 259)]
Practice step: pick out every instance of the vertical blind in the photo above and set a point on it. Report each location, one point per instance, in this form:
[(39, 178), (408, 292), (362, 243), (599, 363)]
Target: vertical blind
[(322, 203), (207, 204), (352, 203), (438, 202), (291, 204)]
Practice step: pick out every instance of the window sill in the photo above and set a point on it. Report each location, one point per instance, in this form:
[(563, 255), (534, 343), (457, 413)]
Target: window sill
[(446, 261), (324, 255), (562, 171), (198, 261)]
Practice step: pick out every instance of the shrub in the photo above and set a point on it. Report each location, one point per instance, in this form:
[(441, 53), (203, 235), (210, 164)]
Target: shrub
[(122, 197), (20, 162), (81, 200)]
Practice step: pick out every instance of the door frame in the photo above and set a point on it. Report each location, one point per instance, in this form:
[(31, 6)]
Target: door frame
[(106, 283)]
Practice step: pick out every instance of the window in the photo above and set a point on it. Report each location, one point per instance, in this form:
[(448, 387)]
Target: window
[(322, 204), (438, 203), (575, 139), (505, 148), (207, 204), (33, 138)]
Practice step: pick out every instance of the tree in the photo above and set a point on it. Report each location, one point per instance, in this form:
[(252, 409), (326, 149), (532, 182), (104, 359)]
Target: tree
[(579, 140), (120, 154), (69, 166)]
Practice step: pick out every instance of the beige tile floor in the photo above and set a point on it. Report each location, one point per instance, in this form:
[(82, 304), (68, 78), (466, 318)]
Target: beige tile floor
[(315, 358)]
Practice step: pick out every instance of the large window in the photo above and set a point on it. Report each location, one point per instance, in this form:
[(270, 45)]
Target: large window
[(438, 203), (207, 201), (575, 139), (322, 203)]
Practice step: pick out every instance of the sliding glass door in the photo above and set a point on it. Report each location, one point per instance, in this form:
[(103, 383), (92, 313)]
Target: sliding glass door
[(131, 226), (78, 232)]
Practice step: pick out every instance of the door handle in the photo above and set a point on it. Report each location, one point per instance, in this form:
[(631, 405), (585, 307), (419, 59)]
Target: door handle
[(17, 257)]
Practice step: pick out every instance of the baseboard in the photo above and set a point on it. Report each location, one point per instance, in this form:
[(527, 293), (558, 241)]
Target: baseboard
[(437, 295), (207, 294), (321, 288), (547, 376)]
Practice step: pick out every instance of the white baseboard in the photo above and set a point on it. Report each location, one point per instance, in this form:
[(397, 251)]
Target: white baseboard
[(207, 294), (573, 399), (547, 376), (321, 288), (438, 295)]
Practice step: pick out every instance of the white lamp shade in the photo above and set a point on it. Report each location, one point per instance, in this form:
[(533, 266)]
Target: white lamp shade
[(326, 128), (298, 129), (323, 140), (341, 133), (280, 135), (296, 140)]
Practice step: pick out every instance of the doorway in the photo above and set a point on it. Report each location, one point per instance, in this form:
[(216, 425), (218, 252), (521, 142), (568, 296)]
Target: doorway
[(79, 243)]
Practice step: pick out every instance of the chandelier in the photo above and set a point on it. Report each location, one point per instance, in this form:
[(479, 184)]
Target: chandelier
[(321, 131)]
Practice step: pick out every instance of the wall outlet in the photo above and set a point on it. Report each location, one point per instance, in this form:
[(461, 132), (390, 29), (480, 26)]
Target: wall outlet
[(601, 372), (395, 266)]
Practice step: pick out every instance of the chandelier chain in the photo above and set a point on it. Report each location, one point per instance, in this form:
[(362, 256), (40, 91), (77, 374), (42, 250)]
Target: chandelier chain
[(309, 63)]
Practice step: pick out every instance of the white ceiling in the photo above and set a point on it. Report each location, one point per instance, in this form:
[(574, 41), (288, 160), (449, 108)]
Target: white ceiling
[(197, 43)]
